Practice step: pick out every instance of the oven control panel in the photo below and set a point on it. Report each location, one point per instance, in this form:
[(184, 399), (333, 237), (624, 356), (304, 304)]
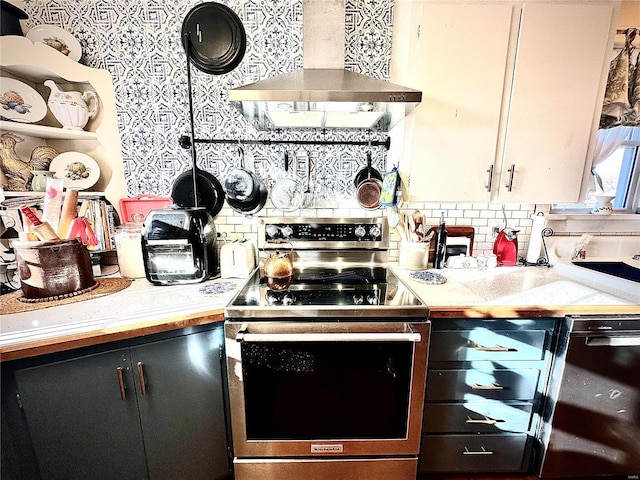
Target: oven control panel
[(324, 232)]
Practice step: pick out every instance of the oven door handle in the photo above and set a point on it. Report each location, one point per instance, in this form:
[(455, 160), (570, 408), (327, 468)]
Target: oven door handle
[(244, 336), (632, 341)]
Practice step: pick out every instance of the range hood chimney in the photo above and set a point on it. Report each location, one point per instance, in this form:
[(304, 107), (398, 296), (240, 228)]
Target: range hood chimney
[(323, 94)]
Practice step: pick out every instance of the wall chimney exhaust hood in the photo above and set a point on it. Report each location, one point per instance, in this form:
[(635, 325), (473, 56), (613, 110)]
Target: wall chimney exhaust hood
[(323, 94)]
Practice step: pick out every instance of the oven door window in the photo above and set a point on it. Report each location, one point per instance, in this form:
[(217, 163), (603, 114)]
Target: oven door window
[(327, 390)]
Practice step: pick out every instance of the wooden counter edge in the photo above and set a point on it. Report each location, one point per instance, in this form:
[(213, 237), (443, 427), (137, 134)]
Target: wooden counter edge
[(509, 311), (106, 335)]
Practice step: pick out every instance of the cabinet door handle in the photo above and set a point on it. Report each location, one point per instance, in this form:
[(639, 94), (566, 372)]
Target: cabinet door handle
[(120, 373), (491, 386), (143, 384), (482, 451), (512, 172), (483, 421), (495, 348), (490, 178)]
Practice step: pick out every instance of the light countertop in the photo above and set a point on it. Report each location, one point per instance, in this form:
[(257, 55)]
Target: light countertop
[(143, 309), (140, 309), (524, 291)]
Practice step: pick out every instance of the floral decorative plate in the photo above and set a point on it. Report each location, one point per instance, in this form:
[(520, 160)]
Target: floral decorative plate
[(20, 102), (79, 171), (430, 278), (57, 38)]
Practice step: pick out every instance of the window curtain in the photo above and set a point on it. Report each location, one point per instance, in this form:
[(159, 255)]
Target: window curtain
[(621, 106), (607, 141)]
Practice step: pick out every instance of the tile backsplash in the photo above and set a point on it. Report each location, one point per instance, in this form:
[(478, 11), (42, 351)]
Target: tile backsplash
[(481, 216), (139, 44)]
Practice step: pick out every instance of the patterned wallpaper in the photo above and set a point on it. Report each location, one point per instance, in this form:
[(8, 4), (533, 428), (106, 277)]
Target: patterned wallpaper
[(139, 43)]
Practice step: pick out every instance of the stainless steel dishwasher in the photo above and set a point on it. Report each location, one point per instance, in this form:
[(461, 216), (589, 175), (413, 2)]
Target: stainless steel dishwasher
[(592, 423)]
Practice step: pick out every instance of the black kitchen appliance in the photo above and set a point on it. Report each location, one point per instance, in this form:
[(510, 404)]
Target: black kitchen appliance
[(178, 245), (327, 372), (592, 424)]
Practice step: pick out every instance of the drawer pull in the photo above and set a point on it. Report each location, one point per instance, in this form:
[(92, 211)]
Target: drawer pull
[(484, 421), (481, 452), (495, 348), (491, 386)]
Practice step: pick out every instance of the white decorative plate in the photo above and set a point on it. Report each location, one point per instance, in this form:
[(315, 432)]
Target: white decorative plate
[(79, 171), (20, 102), (57, 38)]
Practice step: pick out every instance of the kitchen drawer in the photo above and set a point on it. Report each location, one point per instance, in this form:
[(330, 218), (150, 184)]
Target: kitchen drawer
[(468, 384), (484, 344), (488, 416), (472, 453)]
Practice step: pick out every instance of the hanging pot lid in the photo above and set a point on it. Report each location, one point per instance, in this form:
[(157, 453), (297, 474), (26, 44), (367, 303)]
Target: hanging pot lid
[(210, 192), (217, 36)]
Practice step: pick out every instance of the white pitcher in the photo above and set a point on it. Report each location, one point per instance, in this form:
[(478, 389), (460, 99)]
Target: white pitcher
[(72, 109)]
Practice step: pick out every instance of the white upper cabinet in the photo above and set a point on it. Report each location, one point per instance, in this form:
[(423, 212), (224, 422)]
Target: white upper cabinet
[(33, 64), (511, 97)]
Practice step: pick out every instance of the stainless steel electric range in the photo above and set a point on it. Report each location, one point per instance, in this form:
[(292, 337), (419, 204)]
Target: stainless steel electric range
[(327, 370)]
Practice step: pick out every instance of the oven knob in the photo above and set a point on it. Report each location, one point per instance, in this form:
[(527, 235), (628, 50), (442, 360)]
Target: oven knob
[(272, 231), (287, 231), (372, 299), (360, 231), (358, 299), (375, 232)]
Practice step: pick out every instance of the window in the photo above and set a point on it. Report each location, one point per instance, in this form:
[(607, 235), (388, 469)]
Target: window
[(620, 173)]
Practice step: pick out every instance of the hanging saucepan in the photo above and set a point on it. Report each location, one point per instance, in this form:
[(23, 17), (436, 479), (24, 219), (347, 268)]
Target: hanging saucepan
[(209, 189), (368, 189), (216, 36), (245, 191)]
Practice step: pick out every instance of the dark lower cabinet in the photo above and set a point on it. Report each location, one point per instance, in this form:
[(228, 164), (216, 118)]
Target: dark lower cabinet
[(486, 385), (148, 411)]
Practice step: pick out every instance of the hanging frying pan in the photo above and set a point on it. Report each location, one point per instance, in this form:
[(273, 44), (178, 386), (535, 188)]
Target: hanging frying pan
[(366, 173), (209, 191), (217, 37), (369, 188)]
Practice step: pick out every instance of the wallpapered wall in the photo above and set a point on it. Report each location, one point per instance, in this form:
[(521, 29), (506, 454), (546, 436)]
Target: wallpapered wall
[(139, 43)]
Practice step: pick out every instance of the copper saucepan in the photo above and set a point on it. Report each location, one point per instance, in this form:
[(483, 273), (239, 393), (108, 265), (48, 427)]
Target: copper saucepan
[(369, 188)]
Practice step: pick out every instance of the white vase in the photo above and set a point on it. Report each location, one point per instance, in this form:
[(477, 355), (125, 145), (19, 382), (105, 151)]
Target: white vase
[(603, 205), (72, 109)]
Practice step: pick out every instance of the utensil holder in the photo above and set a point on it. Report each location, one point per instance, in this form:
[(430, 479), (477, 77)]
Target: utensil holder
[(414, 255)]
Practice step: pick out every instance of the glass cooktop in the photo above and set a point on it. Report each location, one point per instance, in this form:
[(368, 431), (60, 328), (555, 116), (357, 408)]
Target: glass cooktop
[(325, 292)]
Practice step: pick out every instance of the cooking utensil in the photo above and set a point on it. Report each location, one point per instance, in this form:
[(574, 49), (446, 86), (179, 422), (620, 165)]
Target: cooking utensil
[(214, 38), (369, 189), (209, 192), (287, 193), (308, 194), (245, 191), (367, 172)]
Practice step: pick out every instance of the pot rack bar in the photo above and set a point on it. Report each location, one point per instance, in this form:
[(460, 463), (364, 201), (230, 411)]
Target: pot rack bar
[(185, 142)]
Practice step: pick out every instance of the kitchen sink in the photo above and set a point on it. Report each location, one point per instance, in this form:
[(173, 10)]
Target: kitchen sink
[(615, 268)]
